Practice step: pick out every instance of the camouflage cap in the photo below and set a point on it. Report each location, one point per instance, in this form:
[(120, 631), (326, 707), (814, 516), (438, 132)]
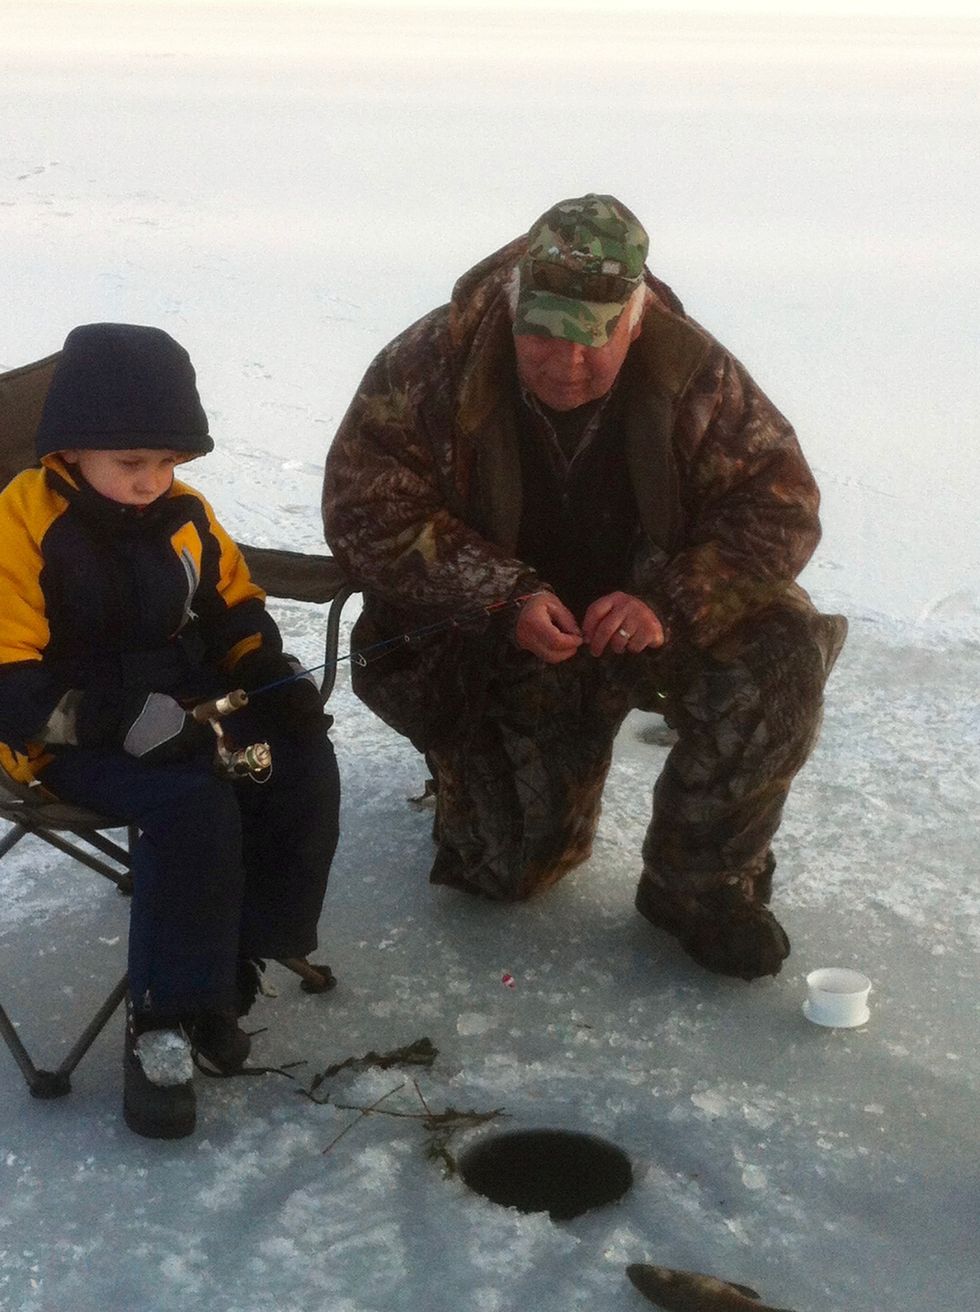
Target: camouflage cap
[(584, 260)]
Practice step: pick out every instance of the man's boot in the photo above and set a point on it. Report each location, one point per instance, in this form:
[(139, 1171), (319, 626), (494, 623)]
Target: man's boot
[(158, 1095), (727, 929)]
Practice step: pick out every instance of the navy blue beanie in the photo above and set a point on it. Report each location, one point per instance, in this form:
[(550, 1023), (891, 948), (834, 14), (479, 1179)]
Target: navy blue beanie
[(120, 385)]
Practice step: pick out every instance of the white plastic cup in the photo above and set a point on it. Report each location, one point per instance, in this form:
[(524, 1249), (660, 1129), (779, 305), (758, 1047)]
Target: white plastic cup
[(837, 997)]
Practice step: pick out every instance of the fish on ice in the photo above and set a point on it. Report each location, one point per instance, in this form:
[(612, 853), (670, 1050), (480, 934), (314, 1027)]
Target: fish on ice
[(687, 1291)]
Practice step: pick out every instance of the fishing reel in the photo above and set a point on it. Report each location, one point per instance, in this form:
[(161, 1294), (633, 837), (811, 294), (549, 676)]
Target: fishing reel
[(253, 761)]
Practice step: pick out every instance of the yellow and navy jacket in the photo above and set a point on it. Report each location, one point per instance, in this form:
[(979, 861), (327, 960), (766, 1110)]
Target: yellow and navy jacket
[(104, 598)]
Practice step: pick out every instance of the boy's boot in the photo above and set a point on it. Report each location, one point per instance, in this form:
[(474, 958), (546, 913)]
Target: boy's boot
[(158, 1095), (248, 983), (727, 929), (217, 1041)]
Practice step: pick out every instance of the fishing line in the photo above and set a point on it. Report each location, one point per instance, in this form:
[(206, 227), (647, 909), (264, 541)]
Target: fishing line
[(378, 649)]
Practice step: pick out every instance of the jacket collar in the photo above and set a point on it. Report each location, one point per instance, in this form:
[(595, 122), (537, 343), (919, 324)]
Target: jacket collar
[(106, 516)]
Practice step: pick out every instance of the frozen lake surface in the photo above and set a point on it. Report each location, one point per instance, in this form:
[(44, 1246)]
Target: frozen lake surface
[(283, 189)]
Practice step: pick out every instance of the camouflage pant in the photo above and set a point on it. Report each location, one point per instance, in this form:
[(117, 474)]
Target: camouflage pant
[(520, 784)]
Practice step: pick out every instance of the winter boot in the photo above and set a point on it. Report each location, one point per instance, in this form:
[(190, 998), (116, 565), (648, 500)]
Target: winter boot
[(727, 930), (158, 1096), (218, 1043)]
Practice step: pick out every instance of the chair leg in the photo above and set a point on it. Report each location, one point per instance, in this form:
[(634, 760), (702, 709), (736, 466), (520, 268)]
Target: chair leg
[(17, 832), (56, 1083), (331, 641), (122, 879), (314, 978)]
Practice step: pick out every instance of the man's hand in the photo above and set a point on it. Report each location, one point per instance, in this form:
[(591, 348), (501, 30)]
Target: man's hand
[(620, 622), (547, 629)]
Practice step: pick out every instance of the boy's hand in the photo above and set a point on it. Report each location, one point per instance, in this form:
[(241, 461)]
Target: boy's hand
[(157, 729), (296, 704)]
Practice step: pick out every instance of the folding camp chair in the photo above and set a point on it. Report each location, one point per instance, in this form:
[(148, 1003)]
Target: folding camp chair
[(81, 834)]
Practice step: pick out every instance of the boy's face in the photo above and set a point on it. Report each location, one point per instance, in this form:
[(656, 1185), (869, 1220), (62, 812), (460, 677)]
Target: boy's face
[(133, 478)]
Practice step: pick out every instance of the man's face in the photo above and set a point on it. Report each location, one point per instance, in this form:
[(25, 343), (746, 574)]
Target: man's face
[(133, 478), (563, 374)]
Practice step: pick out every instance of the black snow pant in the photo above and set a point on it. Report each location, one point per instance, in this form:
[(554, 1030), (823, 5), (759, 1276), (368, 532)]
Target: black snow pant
[(221, 869), (520, 783)]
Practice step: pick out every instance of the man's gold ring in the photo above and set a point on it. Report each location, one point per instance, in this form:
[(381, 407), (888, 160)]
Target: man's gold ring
[(623, 634)]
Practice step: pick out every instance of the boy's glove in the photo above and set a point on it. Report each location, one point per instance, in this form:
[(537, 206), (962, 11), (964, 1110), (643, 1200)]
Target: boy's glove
[(296, 705), (157, 729), (148, 725)]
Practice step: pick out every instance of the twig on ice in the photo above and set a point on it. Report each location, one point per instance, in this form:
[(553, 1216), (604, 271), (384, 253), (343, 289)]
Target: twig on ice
[(365, 1111)]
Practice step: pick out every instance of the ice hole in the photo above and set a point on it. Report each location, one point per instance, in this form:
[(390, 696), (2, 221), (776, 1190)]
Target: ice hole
[(562, 1172)]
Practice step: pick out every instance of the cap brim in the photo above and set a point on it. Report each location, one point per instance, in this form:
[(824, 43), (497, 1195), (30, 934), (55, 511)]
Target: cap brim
[(546, 314)]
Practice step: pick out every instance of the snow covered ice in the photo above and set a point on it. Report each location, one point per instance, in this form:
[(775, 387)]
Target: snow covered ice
[(285, 188)]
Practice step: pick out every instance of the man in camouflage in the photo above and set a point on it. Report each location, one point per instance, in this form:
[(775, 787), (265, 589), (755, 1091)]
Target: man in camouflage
[(563, 432)]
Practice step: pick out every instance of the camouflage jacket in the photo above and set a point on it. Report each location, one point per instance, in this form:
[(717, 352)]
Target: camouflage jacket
[(422, 492)]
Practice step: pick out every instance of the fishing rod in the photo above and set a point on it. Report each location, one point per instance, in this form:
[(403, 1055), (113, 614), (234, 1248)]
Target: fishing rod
[(376, 650), (255, 760)]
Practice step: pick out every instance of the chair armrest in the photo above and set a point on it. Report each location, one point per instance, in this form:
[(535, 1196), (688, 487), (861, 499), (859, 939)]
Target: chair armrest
[(302, 576), (296, 575)]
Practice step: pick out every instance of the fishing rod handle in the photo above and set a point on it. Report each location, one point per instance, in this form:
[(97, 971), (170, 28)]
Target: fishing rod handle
[(232, 701)]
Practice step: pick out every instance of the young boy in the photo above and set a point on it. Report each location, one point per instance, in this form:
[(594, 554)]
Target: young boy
[(122, 601)]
